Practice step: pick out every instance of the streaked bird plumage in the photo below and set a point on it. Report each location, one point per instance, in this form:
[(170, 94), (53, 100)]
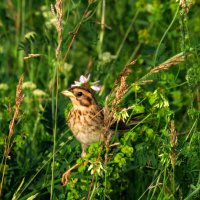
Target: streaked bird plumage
[(86, 118)]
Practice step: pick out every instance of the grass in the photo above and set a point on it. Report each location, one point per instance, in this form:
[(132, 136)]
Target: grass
[(51, 45)]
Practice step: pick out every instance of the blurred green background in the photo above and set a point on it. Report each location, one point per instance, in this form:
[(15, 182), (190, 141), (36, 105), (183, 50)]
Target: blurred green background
[(103, 36)]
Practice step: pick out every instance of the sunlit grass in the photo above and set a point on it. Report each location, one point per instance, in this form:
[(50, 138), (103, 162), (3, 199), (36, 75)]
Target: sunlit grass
[(52, 45)]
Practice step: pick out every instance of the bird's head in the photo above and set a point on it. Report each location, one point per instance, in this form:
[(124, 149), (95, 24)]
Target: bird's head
[(81, 97)]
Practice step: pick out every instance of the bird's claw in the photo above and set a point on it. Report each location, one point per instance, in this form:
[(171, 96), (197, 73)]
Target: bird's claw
[(65, 179)]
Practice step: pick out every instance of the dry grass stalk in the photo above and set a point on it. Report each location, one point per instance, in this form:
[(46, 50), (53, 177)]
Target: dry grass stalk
[(185, 5), (8, 141), (119, 91), (18, 101), (105, 25), (91, 1), (167, 64), (173, 142), (74, 33), (146, 82), (32, 56), (57, 11)]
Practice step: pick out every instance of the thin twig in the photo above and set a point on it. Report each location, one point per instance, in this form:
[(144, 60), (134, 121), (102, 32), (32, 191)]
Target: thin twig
[(75, 33)]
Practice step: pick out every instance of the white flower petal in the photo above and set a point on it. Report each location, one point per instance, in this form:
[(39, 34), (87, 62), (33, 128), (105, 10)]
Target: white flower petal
[(88, 78), (96, 88), (77, 83), (83, 79)]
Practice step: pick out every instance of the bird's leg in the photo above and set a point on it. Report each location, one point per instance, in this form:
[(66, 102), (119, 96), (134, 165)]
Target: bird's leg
[(84, 146), (66, 174)]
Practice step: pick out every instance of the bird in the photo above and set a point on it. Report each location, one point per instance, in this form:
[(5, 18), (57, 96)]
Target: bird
[(86, 119)]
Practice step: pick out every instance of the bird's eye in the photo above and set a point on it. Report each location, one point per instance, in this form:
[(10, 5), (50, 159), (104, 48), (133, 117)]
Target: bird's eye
[(79, 94)]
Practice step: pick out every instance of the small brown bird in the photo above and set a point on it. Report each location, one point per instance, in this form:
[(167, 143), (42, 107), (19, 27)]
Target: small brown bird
[(86, 119)]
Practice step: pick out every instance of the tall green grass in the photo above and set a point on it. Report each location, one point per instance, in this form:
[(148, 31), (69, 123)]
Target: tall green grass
[(158, 158)]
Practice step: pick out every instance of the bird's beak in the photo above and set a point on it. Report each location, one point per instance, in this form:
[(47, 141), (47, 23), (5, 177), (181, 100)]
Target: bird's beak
[(68, 93)]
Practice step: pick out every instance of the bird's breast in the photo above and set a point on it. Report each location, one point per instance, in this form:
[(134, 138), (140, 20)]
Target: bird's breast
[(87, 126)]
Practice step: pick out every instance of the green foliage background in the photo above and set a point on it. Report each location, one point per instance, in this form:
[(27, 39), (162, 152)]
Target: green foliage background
[(148, 163)]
